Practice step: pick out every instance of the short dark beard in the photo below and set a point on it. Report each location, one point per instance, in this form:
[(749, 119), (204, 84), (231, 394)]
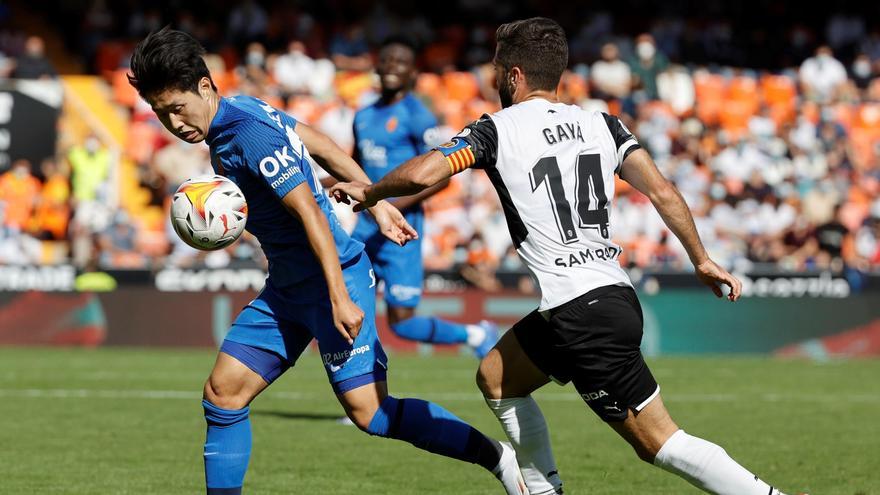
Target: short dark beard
[(505, 93)]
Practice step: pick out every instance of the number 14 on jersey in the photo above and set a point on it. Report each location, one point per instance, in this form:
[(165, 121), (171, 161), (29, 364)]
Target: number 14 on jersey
[(591, 202)]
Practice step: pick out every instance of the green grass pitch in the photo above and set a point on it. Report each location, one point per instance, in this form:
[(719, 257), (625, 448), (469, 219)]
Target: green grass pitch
[(113, 421)]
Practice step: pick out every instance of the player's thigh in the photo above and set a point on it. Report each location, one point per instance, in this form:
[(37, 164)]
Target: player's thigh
[(349, 365), (507, 371), (647, 430), (258, 349), (232, 385)]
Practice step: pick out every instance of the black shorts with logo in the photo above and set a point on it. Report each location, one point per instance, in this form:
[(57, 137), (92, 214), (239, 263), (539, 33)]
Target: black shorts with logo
[(593, 341)]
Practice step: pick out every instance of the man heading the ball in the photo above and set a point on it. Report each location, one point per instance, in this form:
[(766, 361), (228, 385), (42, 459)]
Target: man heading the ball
[(320, 285)]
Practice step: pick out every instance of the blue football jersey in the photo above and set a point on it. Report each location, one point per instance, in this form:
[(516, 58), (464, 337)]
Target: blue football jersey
[(388, 135), (256, 146)]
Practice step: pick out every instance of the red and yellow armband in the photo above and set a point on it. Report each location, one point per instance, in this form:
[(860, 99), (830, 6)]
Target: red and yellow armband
[(458, 153)]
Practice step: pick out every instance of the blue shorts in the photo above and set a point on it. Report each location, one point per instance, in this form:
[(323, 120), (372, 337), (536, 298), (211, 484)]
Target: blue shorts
[(274, 329), (400, 267)]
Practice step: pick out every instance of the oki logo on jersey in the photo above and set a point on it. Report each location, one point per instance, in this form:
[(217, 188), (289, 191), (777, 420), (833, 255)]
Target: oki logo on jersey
[(271, 165)]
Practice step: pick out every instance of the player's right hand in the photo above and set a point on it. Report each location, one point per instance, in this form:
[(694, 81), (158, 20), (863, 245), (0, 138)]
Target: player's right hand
[(714, 277), (347, 318)]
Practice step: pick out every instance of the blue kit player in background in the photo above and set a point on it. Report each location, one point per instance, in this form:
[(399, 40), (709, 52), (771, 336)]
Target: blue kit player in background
[(387, 133), (320, 283)]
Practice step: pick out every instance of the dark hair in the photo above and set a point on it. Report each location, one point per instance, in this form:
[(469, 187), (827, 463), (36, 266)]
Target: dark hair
[(538, 46), (400, 40), (168, 59)]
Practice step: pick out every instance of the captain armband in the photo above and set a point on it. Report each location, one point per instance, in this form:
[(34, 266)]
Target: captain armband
[(459, 155)]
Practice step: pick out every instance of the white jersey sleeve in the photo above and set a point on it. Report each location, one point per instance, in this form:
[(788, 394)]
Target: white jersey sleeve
[(553, 167)]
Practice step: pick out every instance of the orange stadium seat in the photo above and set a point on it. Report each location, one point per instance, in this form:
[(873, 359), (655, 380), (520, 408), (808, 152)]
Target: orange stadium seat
[(744, 90), (477, 107), (452, 113), (778, 90), (123, 92), (573, 87), (461, 86), (430, 85), (710, 93), (305, 108), (779, 94)]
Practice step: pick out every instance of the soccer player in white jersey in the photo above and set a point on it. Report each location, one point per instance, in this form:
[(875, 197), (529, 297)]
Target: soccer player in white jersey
[(553, 167)]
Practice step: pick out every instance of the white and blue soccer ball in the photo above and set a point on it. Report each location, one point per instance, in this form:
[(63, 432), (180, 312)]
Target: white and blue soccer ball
[(208, 212)]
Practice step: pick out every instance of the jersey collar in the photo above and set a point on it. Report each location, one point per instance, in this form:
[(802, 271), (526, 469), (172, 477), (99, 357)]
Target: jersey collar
[(217, 122)]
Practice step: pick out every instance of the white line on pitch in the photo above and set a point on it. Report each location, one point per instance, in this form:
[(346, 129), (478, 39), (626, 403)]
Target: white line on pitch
[(82, 393)]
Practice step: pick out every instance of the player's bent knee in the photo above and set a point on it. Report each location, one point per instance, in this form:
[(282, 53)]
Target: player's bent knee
[(224, 395), (362, 418)]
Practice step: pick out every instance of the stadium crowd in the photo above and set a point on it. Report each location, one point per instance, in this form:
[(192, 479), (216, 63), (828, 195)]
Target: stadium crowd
[(778, 155)]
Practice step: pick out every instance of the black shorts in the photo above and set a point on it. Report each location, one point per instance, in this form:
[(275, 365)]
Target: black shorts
[(593, 341)]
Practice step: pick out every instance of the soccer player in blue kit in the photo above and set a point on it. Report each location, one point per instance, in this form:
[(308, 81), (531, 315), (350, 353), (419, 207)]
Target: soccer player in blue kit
[(320, 283), (387, 133)]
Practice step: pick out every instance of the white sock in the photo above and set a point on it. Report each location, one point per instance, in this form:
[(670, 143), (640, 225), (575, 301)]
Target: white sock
[(707, 466), (522, 420), (475, 335)]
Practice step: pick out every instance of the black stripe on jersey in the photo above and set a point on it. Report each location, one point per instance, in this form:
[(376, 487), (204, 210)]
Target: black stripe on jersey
[(624, 142), (515, 224), (482, 136)]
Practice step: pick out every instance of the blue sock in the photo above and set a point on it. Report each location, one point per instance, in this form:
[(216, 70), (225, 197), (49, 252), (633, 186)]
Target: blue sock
[(227, 449), (430, 427), (431, 329)]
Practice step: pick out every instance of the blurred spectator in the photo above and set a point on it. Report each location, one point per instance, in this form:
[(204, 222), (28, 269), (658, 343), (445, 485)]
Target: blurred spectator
[(349, 49), (19, 193), (480, 265), (831, 237), (646, 66), (53, 210), (118, 247), (611, 76), (33, 64), (90, 166), (822, 75), (861, 72), (247, 22), (179, 161), (297, 73)]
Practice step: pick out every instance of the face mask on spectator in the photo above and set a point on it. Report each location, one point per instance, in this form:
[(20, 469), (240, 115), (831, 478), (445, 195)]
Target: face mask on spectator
[(91, 145), (20, 172), (254, 58), (645, 50), (862, 68)]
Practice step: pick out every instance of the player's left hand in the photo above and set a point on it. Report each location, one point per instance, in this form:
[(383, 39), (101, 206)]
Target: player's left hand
[(344, 192), (392, 224), (714, 277)]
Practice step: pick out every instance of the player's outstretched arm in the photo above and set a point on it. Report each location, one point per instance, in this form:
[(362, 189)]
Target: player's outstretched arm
[(639, 170), (337, 163), (347, 316), (412, 177)]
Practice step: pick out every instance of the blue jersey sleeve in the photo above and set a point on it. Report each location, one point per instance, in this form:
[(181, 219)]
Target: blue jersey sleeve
[(424, 129), (273, 155)]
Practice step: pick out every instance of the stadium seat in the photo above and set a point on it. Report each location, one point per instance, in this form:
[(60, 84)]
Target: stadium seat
[(734, 118), (710, 93), (461, 86), (430, 85), (123, 92), (744, 90)]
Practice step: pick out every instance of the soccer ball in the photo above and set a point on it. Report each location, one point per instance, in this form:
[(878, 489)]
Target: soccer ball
[(208, 212)]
